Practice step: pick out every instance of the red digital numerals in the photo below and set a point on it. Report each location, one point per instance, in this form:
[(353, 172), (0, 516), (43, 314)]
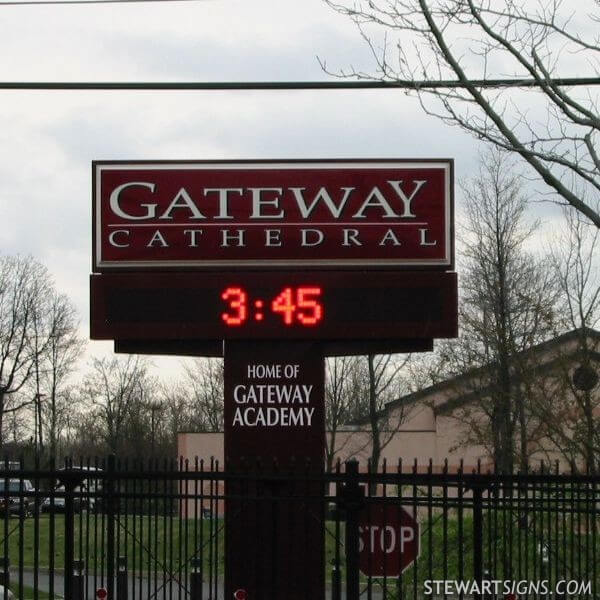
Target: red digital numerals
[(296, 306), (237, 299)]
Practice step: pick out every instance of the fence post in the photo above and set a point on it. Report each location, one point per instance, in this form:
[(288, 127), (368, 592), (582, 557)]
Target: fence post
[(109, 507), (336, 587), (196, 579), (122, 579), (478, 537), (78, 580), (69, 485), (352, 504), (5, 571)]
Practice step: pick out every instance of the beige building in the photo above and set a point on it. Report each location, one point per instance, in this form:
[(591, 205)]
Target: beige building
[(443, 421)]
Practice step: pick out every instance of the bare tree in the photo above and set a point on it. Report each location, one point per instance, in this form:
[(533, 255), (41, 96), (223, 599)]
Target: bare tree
[(115, 389), (176, 413), (17, 431), (570, 414), (55, 327), (508, 300), (60, 416), (203, 384), (147, 423), (85, 432), (464, 44), (377, 381), (575, 257), (24, 288), (383, 387), (338, 396)]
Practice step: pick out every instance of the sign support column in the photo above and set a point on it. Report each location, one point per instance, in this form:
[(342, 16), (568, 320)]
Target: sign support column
[(274, 536)]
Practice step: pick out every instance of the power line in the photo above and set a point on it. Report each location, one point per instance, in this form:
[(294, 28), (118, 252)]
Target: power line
[(55, 2), (286, 85)]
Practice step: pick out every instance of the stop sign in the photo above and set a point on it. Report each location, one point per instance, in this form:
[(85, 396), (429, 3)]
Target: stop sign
[(389, 539)]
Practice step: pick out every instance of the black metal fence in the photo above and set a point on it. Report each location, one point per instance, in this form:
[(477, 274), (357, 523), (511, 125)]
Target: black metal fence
[(144, 530)]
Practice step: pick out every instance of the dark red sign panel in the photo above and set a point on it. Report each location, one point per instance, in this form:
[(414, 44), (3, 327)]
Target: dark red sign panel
[(389, 539), (301, 214)]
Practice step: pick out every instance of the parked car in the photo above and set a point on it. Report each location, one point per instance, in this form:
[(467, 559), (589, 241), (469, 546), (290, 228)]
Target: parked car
[(86, 495), (17, 498), (8, 594), (56, 503)]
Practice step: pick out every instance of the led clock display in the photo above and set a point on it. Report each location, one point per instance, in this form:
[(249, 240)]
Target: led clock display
[(296, 306), (333, 305)]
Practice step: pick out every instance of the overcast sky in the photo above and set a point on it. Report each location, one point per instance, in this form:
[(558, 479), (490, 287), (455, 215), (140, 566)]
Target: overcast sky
[(48, 139)]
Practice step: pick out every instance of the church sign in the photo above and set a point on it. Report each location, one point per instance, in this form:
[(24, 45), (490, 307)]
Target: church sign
[(274, 265), (292, 214)]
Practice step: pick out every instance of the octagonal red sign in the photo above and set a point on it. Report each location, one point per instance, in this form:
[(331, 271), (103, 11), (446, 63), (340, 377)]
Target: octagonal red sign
[(389, 539)]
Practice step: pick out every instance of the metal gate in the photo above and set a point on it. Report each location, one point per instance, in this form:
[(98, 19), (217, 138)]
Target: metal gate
[(145, 530)]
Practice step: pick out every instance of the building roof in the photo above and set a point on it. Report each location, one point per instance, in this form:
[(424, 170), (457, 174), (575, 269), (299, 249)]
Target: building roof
[(451, 384)]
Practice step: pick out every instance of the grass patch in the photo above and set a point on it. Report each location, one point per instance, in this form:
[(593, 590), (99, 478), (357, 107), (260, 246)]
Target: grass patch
[(27, 593)]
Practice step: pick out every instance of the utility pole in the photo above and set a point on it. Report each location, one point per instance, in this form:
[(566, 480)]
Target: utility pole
[(154, 408), (37, 425)]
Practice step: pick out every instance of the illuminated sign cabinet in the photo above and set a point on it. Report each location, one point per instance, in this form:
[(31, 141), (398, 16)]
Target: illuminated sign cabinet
[(328, 250), (273, 265)]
